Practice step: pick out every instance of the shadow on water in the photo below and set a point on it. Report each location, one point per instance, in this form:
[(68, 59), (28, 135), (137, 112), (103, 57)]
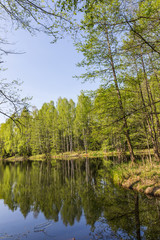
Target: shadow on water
[(78, 193)]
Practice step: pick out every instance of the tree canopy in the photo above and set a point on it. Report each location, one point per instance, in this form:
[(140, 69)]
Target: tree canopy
[(120, 44)]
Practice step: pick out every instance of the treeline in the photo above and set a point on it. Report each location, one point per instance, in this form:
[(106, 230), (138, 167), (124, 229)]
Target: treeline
[(96, 122), (52, 129)]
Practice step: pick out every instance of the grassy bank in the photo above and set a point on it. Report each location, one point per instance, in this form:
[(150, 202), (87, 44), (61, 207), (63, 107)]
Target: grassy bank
[(62, 156), (74, 155), (143, 176)]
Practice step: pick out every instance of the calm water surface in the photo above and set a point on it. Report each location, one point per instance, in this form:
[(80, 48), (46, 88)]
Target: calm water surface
[(64, 200)]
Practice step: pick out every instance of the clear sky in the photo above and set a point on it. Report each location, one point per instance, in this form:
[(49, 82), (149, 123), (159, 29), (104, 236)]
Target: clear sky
[(46, 69)]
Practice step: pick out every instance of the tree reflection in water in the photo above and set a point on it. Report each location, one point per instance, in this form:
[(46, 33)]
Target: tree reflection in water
[(76, 188)]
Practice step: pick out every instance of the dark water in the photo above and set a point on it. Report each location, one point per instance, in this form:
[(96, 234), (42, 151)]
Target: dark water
[(64, 200)]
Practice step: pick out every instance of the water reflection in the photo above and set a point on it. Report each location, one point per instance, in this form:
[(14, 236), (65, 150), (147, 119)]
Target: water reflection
[(70, 191)]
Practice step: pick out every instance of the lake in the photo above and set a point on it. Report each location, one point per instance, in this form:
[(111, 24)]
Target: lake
[(74, 199)]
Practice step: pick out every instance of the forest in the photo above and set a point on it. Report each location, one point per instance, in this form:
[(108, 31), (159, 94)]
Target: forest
[(121, 47)]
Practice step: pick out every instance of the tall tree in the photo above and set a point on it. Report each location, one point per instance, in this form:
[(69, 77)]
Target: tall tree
[(100, 50), (83, 119)]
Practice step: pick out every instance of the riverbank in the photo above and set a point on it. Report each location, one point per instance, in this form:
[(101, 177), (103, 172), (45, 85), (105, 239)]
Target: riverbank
[(60, 156), (75, 155), (142, 177)]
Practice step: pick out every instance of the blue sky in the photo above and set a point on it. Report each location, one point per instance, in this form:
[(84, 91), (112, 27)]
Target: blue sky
[(46, 69)]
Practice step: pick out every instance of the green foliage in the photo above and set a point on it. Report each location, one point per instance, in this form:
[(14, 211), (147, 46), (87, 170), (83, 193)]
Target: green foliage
[(83, 119), (120, 44)]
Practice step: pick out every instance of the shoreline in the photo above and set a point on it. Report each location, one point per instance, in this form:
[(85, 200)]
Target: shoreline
[(73, 155), (142, 177), (61, 156)]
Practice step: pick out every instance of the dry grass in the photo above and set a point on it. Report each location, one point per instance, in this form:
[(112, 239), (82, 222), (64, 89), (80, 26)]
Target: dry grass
[(144, 177)]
